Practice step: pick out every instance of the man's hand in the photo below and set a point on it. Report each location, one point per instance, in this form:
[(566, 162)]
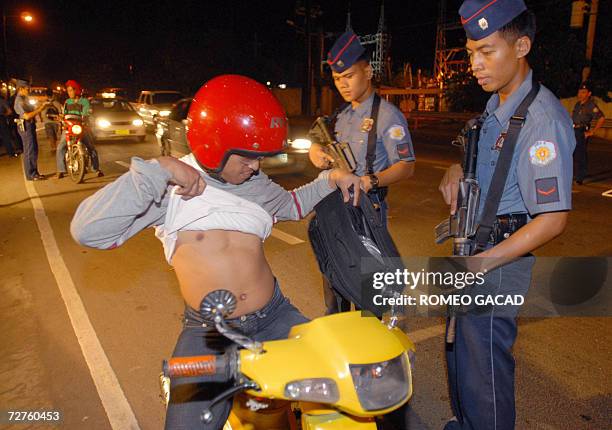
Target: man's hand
[(365, 183), (186, 177), (588, 134), (345, 180), (319, 157), (449, 186)]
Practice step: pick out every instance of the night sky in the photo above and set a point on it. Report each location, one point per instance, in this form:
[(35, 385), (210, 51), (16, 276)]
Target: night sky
[(181, 44)]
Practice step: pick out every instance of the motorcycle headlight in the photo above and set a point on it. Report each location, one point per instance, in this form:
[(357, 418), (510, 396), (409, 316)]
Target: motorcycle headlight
[(301, 144), (164, 112), (322, 390), (76, 129), (103, 123), (381, 385), (137, 122)]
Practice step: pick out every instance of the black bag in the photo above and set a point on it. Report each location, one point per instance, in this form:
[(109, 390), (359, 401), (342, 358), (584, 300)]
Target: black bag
[(351, 245)]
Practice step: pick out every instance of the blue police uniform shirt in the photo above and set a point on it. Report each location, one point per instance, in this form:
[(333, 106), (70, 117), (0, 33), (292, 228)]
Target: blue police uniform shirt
[(540, 175), (393, 142), (22, 106)]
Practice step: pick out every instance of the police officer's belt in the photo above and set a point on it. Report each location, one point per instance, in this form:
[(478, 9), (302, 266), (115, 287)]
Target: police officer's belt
[(505, 225), (489, 213)]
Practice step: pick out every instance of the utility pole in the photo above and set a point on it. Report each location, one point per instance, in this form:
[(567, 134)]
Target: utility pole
[(308, 87), (586, 71)]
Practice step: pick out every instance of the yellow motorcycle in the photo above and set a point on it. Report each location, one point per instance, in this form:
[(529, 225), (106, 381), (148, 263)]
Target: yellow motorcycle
[(337, 372)]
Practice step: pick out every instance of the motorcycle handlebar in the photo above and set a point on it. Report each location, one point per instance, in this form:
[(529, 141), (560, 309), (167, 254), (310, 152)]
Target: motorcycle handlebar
[(213, 368)]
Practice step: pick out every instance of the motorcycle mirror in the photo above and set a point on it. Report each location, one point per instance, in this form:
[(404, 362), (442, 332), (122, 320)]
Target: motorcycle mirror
[(218, 304)]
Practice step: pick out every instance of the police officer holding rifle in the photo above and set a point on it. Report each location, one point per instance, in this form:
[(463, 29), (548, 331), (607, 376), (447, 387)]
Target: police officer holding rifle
[(523, 172)]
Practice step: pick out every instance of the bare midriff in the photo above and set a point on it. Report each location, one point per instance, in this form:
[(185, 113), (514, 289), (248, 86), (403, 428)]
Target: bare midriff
[(209, 260)]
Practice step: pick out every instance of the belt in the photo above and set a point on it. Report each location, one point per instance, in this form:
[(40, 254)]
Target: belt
[(581, 127), (505, 226)]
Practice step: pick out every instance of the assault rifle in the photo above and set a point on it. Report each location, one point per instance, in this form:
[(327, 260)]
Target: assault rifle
[(462, 225), (340, 151)]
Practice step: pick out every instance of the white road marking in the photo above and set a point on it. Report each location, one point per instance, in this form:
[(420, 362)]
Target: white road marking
[(123, 163), (119, 412), (607, 193), (286, 237), (426, 333)]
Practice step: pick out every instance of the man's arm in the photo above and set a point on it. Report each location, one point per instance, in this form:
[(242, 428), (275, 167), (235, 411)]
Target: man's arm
[(136, 200), (544, 228), (296, 204), (600, 122), (395, 173)]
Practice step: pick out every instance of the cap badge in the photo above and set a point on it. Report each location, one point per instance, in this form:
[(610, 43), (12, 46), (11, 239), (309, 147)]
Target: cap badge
[(483, 23), (340, 63)]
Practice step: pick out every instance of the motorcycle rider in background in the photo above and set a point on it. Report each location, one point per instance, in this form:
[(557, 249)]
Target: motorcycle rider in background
[(76, 105)]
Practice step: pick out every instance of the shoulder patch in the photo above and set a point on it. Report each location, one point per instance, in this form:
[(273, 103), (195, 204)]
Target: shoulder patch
[(542, 153), (403, 151), (547, 190), (397, 132)]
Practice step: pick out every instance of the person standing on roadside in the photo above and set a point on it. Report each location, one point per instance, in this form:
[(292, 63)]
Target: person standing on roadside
[(27, 130), (526, 130), (585, 112)]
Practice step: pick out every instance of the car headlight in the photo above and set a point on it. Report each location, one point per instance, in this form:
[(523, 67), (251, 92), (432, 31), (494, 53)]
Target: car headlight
[(313, 390), (381, 385), (76, 129), (103, 123), (137, 122), (32, 102), (301, 143), (164, 112)]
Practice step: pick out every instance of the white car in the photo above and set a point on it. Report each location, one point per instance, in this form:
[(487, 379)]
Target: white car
[(115, 119), (152, 105)]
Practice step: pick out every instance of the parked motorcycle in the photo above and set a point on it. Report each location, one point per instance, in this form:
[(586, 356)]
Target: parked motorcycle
[(77, 158), (341, 371)]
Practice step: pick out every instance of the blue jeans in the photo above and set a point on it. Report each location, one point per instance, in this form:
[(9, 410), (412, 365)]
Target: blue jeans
[(189, 396), (30, 149), (61, 153), (480, 362)]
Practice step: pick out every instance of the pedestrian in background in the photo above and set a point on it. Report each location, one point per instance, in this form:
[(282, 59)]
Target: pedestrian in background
[(50, 118), (585, 112), (5, 133)]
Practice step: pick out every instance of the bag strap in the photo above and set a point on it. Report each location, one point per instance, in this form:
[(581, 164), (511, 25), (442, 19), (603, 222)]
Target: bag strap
[(489, 214), (371, 154)]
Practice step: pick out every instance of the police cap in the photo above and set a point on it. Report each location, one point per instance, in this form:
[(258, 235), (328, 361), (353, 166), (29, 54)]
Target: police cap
[(345, 52), (481, 18)]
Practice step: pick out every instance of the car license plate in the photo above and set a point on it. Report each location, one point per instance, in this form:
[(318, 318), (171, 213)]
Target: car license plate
[(122, 132)]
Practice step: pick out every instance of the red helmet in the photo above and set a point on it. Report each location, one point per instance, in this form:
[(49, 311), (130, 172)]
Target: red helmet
[(74, 84), (233, 114)]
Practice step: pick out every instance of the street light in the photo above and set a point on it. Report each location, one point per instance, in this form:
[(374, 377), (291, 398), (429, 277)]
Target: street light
[(26, 17)]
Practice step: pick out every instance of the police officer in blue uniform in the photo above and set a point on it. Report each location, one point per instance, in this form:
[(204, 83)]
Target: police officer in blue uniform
[(27, 130), (535, 200), (394, 155), (585, 112)]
